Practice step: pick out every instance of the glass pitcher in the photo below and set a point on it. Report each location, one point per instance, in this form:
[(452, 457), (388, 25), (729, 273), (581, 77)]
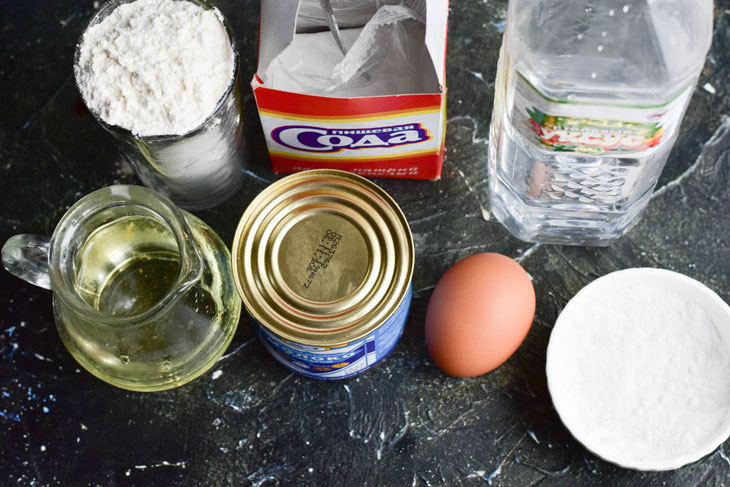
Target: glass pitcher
[(143, 294)]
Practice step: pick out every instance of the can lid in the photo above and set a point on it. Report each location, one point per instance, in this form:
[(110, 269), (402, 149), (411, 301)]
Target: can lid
[(322, 257)]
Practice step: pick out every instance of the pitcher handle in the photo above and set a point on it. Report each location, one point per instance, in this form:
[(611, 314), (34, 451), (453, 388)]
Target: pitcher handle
[(26, 257)]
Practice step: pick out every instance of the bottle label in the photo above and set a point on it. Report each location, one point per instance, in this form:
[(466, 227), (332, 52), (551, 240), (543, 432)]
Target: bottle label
[(594, 129)]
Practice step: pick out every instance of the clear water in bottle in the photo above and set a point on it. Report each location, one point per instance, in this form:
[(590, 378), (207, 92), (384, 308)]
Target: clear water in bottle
[(589, 97)]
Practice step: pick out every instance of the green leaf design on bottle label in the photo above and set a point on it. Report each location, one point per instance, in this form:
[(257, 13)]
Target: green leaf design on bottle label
[(593, 136), (584, 127)]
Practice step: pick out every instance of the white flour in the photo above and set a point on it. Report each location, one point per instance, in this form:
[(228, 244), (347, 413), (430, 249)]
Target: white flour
[(155, 67), (642, 374)]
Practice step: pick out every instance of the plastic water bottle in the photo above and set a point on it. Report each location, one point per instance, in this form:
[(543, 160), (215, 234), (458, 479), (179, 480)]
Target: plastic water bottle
[(588, 101)]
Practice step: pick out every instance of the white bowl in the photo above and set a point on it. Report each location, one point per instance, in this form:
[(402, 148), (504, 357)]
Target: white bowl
[(631, 388)]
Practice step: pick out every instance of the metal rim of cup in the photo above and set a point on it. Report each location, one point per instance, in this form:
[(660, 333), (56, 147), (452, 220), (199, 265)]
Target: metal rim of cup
[(107, 8)]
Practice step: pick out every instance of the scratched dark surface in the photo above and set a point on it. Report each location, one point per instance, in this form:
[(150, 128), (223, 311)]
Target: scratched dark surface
[(249, 422)]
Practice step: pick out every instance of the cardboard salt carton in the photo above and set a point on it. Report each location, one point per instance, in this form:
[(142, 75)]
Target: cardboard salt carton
[(398, 135)]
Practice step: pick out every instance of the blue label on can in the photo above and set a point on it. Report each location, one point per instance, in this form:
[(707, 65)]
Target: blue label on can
[(343, 361)]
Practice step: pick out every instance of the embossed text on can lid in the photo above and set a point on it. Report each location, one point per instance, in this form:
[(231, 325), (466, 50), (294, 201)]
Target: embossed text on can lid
[(322, 257)]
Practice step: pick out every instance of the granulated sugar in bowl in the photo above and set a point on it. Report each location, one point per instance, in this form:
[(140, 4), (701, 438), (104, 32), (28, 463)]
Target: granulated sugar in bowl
[(638, 367)]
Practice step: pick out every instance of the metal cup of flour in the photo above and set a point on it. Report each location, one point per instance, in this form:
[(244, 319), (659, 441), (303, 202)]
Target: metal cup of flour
[(196, 162)]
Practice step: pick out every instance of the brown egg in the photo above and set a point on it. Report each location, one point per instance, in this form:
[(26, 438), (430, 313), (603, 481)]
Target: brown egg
[(479, 314)]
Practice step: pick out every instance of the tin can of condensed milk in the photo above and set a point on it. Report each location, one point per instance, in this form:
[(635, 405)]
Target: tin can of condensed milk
[(323, 260)]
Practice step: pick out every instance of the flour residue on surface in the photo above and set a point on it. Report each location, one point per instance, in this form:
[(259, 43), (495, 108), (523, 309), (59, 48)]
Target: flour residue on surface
[(155, 67)]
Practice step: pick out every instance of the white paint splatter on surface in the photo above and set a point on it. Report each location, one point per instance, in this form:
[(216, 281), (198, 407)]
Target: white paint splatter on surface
[(164, 463), (494, 474)]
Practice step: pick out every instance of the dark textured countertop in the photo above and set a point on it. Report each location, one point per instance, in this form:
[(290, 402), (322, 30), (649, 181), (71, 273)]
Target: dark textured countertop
[(252, 423)]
